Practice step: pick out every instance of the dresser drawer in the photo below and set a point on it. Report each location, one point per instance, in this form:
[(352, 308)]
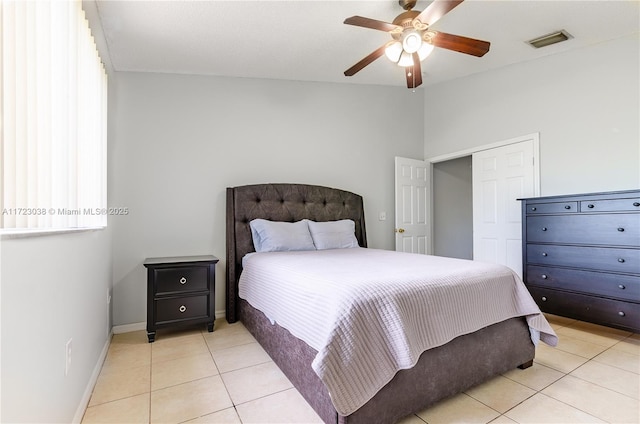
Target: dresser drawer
[(599, 310), (181, 279), (615, 205), (181, 308), (612, 229), (598, 258), (552, 207), (623, 287)]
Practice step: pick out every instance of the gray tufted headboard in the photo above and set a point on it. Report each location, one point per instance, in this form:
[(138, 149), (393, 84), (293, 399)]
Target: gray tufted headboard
[(280, 202)]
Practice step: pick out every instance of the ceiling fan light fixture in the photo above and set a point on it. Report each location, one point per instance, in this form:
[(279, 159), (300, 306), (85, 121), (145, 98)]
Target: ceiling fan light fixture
[(425, 50), (393, 51), (411, 41), (406, 59)]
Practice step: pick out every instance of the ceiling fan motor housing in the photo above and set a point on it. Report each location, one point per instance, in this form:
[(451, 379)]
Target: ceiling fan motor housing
[(405, 19)]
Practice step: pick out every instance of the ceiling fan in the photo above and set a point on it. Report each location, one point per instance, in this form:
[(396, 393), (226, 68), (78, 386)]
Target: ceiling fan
[(413, 39)]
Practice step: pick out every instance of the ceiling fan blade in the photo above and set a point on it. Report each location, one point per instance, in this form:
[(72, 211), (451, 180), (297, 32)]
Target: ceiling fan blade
[(414, 73), (461, 44), (371, 23), (436, 10), (365, 61)]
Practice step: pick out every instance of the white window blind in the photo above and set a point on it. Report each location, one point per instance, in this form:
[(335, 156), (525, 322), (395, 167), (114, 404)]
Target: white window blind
[(53, 124)]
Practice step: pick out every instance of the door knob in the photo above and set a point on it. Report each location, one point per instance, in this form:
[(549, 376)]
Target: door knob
[(400, 230)]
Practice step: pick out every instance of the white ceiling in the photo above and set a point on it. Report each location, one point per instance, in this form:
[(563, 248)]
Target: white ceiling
[(306, 40)]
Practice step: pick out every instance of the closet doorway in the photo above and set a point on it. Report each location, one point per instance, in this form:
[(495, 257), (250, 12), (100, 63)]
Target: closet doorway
[(453, 208)]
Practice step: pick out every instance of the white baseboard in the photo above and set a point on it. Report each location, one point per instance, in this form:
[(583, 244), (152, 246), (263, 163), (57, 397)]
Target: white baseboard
[(84, 402), (127, 328)]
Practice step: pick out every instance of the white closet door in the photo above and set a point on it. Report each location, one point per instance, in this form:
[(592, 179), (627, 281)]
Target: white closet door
[(500, 176)]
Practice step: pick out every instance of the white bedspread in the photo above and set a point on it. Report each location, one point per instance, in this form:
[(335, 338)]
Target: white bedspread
[(370, 313)]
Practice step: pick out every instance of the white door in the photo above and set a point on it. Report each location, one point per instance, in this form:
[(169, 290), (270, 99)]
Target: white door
[(500, 176), (412, 205)]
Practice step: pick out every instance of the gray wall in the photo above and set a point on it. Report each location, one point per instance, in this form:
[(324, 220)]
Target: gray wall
[(54, 288), (584, 104), (453, 208), (181, 140)]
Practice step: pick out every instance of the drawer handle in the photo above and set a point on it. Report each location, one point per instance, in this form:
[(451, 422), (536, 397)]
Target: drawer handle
[(621, 313), (621, 286), (636, 204), (620, 229), (544, 228), (544, 298), (183, 280), (567, 207), (534, 209), (545, 254), (544, 276), (182, 308), (590, 206), (621, 260)]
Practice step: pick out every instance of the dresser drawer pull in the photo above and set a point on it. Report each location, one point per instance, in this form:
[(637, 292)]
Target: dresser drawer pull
[(621, 260), (590, 206), (534, 209), (621, 313), (620, 229), (544, 228), (621, 286), (636, 204), (544, 276), (183, 280), (182, 308), (545, 254), (544, 298), (567, 207)]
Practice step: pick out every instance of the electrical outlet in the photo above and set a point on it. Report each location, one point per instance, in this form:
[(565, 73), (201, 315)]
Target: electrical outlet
[(67, 356), (382, 216)]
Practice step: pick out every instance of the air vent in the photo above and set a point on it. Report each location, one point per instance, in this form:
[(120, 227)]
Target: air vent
[(547, 40)]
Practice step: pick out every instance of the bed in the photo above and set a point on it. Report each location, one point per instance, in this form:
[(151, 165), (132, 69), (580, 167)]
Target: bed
[(439, 372)]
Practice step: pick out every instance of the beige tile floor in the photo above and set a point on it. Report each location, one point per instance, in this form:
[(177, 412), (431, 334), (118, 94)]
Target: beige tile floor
[(593, 375)]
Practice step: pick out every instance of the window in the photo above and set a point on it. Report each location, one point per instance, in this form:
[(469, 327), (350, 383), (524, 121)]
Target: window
[(53, 119)]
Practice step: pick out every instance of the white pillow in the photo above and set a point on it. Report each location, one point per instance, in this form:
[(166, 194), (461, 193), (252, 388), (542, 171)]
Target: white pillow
[(276, 236), (333, 234)]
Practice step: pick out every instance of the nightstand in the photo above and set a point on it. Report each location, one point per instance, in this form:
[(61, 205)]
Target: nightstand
[(180, 291)]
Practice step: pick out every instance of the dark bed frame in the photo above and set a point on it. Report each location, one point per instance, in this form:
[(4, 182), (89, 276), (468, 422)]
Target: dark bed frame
[(441, 372)]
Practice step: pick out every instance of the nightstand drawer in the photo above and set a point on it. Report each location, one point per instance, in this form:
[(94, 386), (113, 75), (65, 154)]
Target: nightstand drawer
[(182, 308), (597, 258), (612, 229), (624, 287), (181, 279)]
